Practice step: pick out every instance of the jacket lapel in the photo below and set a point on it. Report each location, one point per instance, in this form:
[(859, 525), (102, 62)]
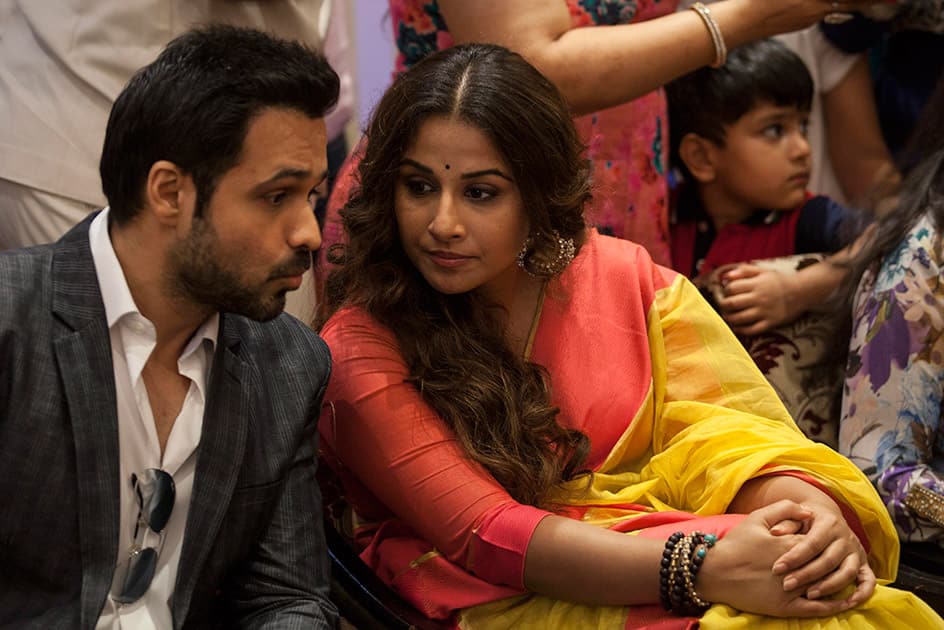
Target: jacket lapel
[(222, 444), (83, 355)]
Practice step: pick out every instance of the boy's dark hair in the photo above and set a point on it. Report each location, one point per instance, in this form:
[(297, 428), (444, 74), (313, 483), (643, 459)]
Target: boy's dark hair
[(193, 105), (707, 100)]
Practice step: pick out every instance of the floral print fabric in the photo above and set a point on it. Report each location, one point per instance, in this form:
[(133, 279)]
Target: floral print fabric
[(628, 144), (891, 410)]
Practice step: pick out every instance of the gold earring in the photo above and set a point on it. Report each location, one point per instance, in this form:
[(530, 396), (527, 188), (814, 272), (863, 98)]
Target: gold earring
[(542, 265)]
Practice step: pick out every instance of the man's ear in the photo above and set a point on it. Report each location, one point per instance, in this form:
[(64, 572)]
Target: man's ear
[(698, 154), (170, 193)]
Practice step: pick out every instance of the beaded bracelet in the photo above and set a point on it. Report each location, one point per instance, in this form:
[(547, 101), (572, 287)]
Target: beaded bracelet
[(694, 604), (681, 560), (665, 571), (717, 39)]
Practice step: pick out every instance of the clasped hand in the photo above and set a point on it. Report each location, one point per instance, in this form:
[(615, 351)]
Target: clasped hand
[(788, 560)]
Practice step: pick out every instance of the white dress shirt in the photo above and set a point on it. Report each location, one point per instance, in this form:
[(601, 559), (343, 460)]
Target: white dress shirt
[(132, 341)]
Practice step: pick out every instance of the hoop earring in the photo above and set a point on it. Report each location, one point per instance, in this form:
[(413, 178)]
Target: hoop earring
[(522, 257), (546, 265)]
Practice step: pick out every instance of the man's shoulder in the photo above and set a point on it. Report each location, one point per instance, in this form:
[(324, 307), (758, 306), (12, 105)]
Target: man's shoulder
[(35, 265), (25, 274), (280, 341), (283, 325), (29, 261)]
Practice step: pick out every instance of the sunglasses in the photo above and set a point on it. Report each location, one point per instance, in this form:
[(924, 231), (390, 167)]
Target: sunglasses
[(155, 492)]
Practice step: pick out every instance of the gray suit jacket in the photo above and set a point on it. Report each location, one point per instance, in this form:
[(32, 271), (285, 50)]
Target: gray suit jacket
[(253, 552)]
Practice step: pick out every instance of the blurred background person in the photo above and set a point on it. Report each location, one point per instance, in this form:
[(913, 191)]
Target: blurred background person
[(63, 62), (893, 398)]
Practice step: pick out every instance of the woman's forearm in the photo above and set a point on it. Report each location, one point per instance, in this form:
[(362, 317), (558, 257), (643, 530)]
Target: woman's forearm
[(575, 561), (857, 151), (763, 491), (603, 66)]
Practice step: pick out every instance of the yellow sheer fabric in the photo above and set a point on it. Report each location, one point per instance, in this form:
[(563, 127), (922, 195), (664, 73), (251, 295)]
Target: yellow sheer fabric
[(710, 423)]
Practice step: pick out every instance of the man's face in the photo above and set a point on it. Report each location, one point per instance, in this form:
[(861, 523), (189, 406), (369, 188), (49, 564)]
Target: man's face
[(255, 238)]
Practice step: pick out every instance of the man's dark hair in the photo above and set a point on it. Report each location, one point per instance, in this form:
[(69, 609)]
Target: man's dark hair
[(707, 100), (193, 105)]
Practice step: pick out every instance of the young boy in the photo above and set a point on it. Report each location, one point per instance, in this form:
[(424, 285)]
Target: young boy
[(739, 140)]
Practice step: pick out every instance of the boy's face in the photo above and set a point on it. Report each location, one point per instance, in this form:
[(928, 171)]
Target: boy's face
[(765, 162)]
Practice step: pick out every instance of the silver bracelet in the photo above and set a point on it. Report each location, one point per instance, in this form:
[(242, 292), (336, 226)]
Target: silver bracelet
[(721, 51)]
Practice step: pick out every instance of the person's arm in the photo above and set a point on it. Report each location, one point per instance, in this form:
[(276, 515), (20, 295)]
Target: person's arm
[(402, 453), (603, 66), (389, 439), (714, 394), (397, 447), (570, 560), (757, 299), (856, 148)]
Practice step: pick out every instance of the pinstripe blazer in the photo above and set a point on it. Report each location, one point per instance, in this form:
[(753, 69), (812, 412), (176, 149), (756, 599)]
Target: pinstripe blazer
[(253, 553)]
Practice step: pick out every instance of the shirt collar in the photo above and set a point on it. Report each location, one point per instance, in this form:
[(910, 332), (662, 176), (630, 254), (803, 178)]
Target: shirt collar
[(114, 286)]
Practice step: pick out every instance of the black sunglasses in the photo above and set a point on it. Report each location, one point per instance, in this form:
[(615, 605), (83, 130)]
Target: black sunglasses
[(155, 492)]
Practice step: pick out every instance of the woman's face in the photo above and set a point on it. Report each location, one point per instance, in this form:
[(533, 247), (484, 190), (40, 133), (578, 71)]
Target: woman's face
[(459, 212)]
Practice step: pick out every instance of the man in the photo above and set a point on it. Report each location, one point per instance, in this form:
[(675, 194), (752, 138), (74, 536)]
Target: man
[(63, 63), (157, 410)]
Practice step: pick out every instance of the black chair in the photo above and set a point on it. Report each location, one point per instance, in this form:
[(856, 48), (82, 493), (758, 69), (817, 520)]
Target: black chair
[(921, 571), (362, 598)]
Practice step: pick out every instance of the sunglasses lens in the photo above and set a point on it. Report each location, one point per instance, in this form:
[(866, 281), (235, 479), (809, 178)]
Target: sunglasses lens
[(156, 493), (137, 578)]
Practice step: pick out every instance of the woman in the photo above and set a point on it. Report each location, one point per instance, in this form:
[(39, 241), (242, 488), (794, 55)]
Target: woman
[(892, 399), (499, 415), (609, 58)]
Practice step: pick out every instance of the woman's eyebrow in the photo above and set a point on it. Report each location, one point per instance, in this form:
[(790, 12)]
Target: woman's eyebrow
[(416, 165), (488, 171)]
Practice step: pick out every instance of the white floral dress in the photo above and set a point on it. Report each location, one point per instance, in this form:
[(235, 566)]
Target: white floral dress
[(892, 399)]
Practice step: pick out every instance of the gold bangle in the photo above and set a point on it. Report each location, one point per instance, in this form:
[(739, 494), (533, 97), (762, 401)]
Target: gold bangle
[(721, 51), (926, 504)]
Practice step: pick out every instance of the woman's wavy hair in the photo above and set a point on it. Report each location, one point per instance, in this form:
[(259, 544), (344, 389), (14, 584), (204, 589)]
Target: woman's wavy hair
[(497, 403), (920, 192)]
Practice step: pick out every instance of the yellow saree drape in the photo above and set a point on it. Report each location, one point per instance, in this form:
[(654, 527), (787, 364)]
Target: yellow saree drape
[(710, 424)]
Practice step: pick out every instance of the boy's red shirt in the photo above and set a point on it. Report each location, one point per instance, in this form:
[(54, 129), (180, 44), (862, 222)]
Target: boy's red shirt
[(735, 243)]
